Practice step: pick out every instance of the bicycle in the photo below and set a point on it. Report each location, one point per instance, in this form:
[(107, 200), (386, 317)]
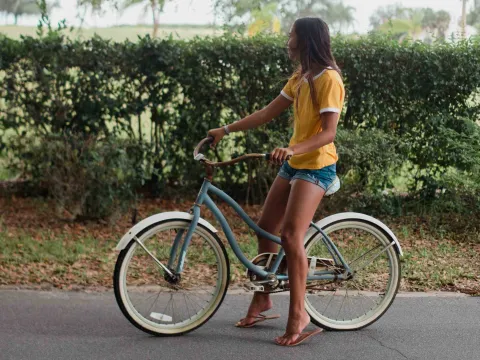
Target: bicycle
[(173, 271)]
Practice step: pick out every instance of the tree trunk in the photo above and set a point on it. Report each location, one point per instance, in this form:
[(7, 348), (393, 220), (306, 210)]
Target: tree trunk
[(155, 15), (14, 12), (464, 19)]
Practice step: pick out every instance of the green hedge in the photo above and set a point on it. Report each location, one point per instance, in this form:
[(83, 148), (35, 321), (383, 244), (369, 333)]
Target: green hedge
[(168, 93)]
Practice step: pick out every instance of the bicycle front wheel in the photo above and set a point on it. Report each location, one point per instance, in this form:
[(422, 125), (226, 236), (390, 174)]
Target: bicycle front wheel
[(148, 297), (361, 300)]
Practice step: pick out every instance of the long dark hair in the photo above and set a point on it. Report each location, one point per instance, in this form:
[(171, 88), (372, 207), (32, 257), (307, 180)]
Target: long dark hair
[(313, 44)]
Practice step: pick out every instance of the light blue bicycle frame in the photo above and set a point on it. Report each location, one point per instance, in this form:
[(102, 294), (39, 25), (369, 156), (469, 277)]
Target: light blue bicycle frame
[(204, 198)]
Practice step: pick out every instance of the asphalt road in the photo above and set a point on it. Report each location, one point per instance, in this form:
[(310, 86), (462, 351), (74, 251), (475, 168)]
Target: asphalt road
[(74, 325)]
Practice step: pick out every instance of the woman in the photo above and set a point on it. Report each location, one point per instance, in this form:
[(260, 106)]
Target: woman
[(317, 94)]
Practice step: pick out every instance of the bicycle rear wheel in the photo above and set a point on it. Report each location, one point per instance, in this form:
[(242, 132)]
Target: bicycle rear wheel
[(357, 302), (156, 305)]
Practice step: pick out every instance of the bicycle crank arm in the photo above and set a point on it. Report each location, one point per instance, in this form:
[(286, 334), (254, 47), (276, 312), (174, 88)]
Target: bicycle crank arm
[(253, 287), (319, 288)]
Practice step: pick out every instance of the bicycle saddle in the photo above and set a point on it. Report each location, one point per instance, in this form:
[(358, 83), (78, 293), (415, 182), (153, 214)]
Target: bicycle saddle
[(334, 187)]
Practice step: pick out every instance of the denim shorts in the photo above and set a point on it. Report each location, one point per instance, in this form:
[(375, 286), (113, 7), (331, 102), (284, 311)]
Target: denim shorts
[(322, 177)]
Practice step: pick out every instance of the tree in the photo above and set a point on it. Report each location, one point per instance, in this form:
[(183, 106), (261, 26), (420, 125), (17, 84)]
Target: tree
[(443, 23), (19, 8), (154, 6), (473, 17), (334, 12), (338, 15), (402, 22), (399, 21), (265, 20), (436, 22), (463, 21), (383, 14)]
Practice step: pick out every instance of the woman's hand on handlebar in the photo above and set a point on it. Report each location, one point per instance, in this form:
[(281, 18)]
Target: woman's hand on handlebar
[(279, 155), (217, 135)]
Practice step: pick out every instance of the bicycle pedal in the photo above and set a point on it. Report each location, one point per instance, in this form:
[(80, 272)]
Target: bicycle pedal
[(253, 287)]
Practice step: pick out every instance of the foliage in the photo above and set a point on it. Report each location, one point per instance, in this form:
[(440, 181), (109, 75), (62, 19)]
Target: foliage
[(408, 104), (473, 17), (155, 7), (440, 251), (371, 158), (87, 177), (19, 8), (264, 20), (334, 12), (401, 22)]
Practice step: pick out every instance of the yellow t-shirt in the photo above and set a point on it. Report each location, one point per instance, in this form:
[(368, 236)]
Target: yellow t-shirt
[(330, 93)]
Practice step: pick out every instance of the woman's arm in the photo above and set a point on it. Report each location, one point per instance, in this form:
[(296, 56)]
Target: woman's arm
[(272, 110), (326, 136)]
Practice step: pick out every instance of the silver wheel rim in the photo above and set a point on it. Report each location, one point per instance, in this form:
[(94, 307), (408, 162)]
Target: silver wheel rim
[(198, 318), (374, 313)]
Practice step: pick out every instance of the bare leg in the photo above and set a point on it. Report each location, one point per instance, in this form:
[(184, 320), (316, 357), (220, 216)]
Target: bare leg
[(271, 221), (303, 201)]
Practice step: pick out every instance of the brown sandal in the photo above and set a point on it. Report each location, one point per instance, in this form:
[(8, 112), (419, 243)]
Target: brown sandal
[(302, 337), (258, 319)]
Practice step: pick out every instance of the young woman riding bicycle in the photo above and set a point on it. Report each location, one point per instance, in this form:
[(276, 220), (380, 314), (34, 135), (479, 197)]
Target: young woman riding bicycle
[(316, 92)]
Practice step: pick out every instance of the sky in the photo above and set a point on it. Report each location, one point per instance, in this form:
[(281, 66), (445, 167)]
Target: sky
[(201, 12)]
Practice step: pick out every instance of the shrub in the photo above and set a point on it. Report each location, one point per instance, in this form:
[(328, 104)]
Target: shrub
[(88, 178), (168, 93)]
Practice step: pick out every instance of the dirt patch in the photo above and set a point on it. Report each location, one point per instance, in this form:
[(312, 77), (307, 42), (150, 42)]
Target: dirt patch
[(38, 250)]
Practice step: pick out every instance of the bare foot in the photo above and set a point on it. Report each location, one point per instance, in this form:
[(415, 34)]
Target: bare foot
[(295, 326), (259, 304)]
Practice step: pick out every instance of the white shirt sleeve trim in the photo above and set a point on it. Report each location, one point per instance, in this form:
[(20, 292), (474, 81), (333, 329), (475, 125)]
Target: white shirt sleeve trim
[(335, 110), (285, 95)]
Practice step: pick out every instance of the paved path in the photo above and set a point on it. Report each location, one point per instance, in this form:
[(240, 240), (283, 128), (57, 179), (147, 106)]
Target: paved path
[(71, 325)]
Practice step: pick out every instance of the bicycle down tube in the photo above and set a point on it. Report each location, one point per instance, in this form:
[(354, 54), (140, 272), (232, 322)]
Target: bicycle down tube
[(204, 198)]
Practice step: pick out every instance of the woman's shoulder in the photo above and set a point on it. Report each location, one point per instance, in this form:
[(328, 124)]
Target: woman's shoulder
[(329, 76)]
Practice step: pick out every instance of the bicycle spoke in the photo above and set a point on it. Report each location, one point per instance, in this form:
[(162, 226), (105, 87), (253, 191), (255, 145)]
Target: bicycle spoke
[(364, 265), (184, 297), (341, 306), (166, 307), (153, 257), (198, 297), (194, 302), (356, 299), (186, 305), (331, 298), (173, 308), (363, 296)]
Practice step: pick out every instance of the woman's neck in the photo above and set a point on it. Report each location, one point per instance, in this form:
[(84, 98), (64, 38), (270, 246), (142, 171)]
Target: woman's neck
[(315, 69)]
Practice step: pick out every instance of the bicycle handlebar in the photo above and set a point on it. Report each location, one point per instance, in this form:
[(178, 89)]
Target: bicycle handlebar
[(200, 157)]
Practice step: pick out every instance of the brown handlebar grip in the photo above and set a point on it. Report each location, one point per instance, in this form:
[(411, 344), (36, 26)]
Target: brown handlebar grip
[(268, 156)]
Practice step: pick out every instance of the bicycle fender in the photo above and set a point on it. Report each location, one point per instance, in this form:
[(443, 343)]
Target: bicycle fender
[(171, 215), (353, 216)]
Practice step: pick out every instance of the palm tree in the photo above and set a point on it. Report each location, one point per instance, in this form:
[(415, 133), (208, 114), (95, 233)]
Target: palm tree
[(337, 14)]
